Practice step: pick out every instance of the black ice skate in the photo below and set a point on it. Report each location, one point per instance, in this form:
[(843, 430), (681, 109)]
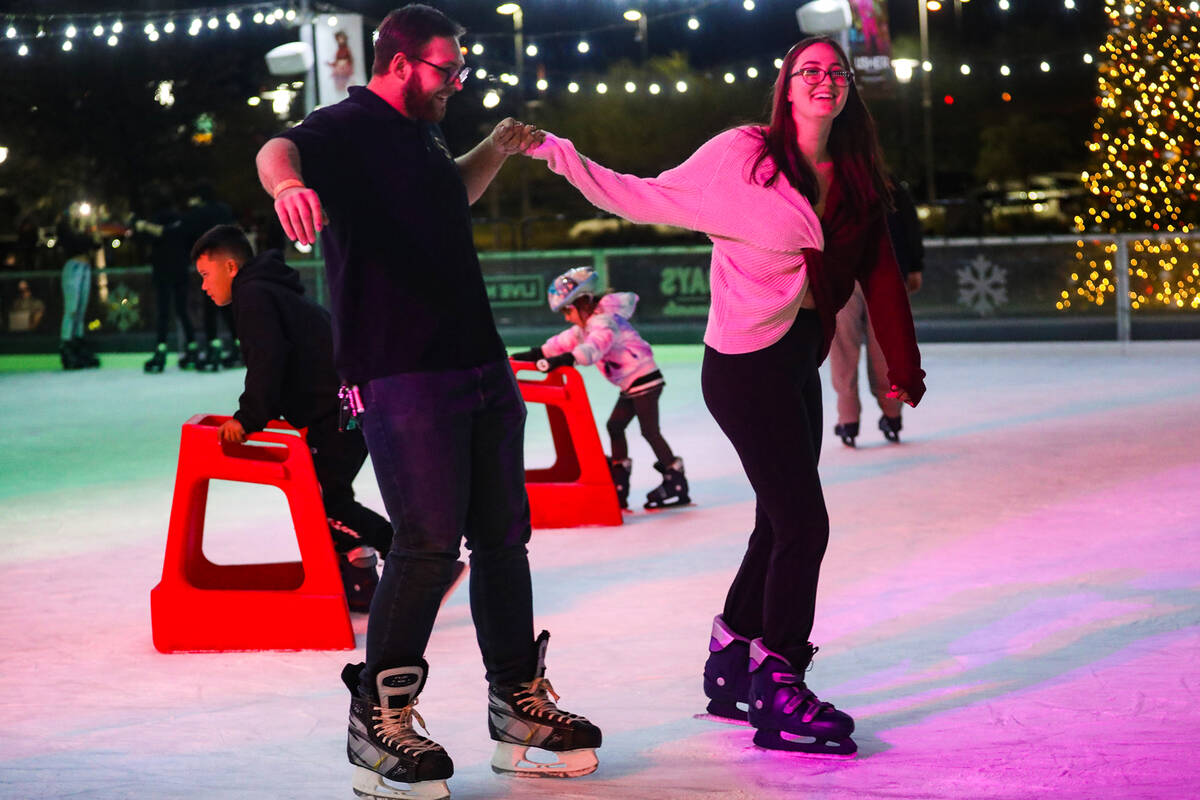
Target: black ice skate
[(158, 360), (524, 716), (847, 431), (621, 468), (891, 428), (210, 358), (787, 715), (190, 357), (382, 745), (727, 675), (359, 578), (232, 358), (674, 488)]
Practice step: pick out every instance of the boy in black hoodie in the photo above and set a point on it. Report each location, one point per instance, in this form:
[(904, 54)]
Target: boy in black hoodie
[(287, 344)]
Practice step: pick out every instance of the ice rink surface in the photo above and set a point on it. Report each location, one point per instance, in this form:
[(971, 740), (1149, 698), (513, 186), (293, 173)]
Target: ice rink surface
[(1009, 607)]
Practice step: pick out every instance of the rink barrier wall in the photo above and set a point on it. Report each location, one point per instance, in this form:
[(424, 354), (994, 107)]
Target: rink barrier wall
[(975, 289)]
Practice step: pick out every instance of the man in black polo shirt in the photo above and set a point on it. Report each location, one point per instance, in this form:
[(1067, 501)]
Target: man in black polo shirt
[(444, 420)]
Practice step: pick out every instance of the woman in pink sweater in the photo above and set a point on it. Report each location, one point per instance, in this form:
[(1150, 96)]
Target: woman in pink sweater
[(795, 210)]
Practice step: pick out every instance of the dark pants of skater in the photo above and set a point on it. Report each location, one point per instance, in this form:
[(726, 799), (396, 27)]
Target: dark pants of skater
[(211, 311), (645, 408), (170, 294), (448, 451), (337, 458), (769, 405)]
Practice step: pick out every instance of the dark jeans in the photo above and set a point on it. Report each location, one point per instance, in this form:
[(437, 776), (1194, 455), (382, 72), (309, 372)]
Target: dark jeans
[(448, 451), (337, 458), (170, 293), (645, 408), (769, 405)]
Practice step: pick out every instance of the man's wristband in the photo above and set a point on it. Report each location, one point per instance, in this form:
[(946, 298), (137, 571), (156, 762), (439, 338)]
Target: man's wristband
[(289, 183)]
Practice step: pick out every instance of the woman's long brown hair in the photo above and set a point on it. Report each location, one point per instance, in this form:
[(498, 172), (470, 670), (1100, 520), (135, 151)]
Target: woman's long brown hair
[(853, 142)]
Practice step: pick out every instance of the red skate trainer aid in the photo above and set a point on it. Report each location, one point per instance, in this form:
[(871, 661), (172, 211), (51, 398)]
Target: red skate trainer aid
[(202, 606), (578, 489)]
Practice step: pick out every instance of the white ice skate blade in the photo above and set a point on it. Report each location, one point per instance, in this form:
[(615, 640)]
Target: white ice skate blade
[(511, 759), (718, 718), (372, 784)]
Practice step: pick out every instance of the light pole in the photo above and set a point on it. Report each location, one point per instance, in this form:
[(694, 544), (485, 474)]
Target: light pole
[(643, 33), (927, 101), (514, 10)]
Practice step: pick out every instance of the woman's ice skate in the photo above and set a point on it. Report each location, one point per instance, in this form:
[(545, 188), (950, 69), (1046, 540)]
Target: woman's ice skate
[(727, 675), (787, 715)]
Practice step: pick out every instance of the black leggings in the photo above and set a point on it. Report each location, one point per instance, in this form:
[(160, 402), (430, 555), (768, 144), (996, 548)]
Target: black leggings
[(170, 293), (769, 405), (645, 408)]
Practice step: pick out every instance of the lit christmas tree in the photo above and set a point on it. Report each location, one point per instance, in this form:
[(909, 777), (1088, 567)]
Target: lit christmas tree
[(1146, 148)]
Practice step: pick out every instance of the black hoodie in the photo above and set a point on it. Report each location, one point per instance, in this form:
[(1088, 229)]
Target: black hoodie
[(287, 344)]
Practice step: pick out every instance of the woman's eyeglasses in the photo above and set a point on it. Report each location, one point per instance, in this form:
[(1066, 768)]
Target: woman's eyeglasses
[(814, 75), (461, 75)]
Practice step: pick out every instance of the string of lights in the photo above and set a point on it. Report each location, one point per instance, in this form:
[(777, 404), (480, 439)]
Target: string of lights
[(1146, 176)]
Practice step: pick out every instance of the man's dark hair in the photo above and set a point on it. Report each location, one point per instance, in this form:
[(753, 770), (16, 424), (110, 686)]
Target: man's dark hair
[(407, 30), (226, 239)]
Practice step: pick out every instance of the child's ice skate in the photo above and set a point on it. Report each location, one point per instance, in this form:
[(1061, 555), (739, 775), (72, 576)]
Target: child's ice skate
[(382, 744), (787, 715), (727, 675), (621, 468), (674, 488), (523, 716)]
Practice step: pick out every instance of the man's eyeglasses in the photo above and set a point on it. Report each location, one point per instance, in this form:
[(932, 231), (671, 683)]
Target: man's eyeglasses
[(461, 75), (814, 75)]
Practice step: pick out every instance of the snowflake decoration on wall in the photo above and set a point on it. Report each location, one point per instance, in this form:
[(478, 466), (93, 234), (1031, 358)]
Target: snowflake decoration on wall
[(982, 286), (124, 309)]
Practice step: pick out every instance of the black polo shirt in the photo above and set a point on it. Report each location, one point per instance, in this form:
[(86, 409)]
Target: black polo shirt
[(404, 278)]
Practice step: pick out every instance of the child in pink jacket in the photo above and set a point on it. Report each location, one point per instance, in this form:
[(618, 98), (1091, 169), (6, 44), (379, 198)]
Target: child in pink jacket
[(600, 334)]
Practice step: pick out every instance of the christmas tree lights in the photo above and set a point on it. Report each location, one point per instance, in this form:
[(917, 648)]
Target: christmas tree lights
[(1146, 177)]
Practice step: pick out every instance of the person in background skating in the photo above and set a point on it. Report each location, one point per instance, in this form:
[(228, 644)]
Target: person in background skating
[(287, 344), (854, 330), (204, 212), (169, 263), (79, 244), (442, 413), (601, 334), (770, 197)]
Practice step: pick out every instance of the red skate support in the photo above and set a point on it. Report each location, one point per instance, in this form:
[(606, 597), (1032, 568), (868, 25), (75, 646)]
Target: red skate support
[(578, 489), (202, 606)]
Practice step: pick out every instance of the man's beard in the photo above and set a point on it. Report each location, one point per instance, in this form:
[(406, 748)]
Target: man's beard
[(422, 106)]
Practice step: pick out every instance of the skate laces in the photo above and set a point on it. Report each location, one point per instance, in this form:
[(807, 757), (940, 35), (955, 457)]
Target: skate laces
[(395, 729), (536, 703)]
